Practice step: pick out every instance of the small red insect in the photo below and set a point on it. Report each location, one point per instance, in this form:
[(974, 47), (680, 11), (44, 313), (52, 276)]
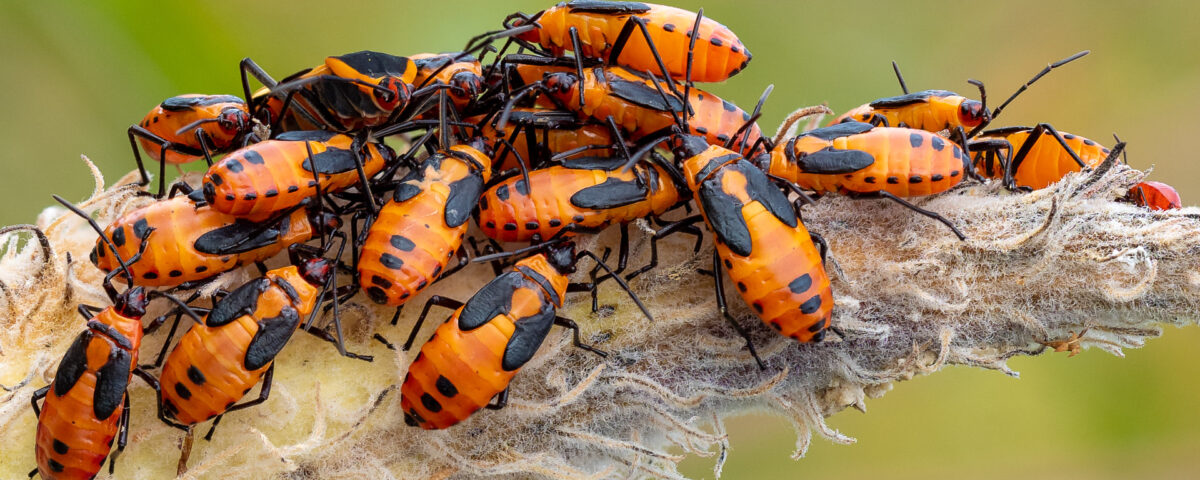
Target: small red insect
[(1155, 196)]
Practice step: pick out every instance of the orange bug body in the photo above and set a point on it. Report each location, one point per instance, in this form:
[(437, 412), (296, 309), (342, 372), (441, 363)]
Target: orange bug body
[(855, 157), (230, 115), (418, 231), (1155, 196), (464, 75), (1045, 161), (474, 355), (275, 175), (604, 27), (930, 110), (637, 105), (194, 243), (345, 93), (216, 363), (85, 404), (552, 132), (586, 194), (760, 240)]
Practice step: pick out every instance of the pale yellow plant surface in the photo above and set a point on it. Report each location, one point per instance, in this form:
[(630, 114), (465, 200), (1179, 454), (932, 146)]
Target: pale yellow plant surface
[(1065, 268)]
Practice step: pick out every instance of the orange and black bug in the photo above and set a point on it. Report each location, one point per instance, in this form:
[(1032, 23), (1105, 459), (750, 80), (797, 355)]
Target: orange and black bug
[(461, 71), (221, 358), (1043, 155), (636, 105), (473, 356), (195, 243), (86, 406), (859, 159), (345, 93), (186, 128), (760, 240), (937, 110), (1155, 196), (418, 232), (279, 174), (605, 30)]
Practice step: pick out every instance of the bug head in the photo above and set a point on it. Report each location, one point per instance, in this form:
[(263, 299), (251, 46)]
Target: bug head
[(234, 120), (559, 82), (973, 113), (316, 271), (393, 94), (481, 144), (561, 256), (131, 303), (324, 220)]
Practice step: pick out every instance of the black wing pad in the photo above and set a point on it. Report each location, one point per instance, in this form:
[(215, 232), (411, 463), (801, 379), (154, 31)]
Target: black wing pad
[(493, 299), (724, 213), (238, 303), (73, 364), (612, 193), (594, 6), (241, 236), (844, 129), (307, 136), (331, 161), (375, 64), (552, 119), (829, 160), (607, 164), (642, 95), (273, 333), (761, 189), (111, 381), (528, 334), (911, 98), (1004, 131), (464, 195), (182, 104)]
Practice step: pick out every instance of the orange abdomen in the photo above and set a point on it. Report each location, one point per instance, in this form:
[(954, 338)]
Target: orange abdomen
[(902, 161), (718, 54), (275, 175), (1047, 162), (189, 243)]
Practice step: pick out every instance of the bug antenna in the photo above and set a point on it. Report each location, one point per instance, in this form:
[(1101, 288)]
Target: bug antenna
[(1043, 72), (195, 124), (502, 121), (899, 77), (107, 241), (520, 160), (521, 251), (320, 204), (750, 121), (625, 286), (183, 306), (1124, 153), (687, 78)]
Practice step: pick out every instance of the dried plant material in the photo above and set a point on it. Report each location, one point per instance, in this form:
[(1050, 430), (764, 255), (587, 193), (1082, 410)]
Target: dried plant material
[(1065, 268)]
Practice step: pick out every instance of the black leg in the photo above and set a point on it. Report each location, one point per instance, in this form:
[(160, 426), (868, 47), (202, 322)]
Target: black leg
[(720, 287), (927, 213), (323, 334), (434, 300), (501, 401), (574, 33), (669, 229), (822, 245), (162, 413), (570, 324), (163, 147), (122, 436), (263, 393), (38, 395), (212, 428)]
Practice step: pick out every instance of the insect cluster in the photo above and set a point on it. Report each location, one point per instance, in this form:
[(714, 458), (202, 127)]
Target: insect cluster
[(593, 121)]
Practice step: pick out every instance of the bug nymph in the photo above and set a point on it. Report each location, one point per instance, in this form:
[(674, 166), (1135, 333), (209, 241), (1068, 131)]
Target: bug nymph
[(473, 356), (86, 406)]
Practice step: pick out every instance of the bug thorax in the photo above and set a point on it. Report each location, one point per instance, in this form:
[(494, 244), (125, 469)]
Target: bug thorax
[(131, 303), (972, 113), (322, 219), (688, 146), (561, 256), (316, 271)]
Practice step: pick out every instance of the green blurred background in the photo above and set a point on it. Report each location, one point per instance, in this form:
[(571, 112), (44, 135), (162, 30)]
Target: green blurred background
[(77, 74)]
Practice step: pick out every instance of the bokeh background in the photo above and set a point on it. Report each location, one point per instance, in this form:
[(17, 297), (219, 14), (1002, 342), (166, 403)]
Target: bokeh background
[(77, 74)]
